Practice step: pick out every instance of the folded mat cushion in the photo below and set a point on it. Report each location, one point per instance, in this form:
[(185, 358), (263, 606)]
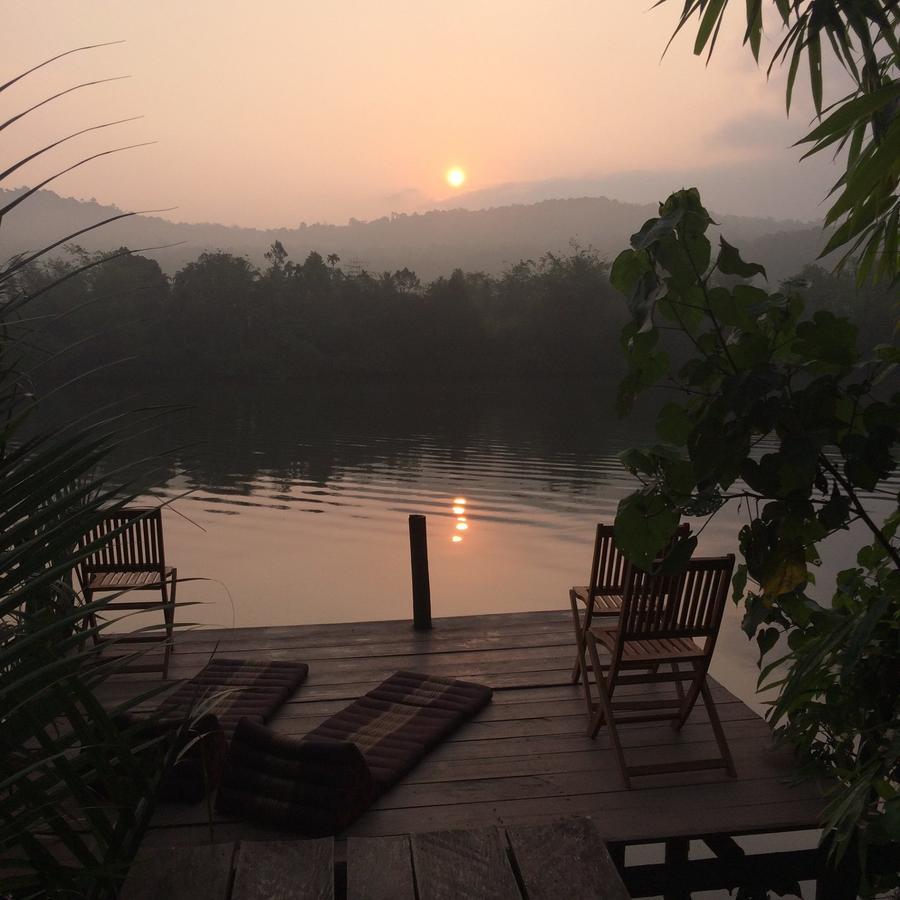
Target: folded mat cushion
[(280, 780), (233, 689), (250, 689), (196, 749), (312, 787)]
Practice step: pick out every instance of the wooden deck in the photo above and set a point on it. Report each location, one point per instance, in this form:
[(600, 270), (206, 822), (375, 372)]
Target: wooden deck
[(526, 862), (525, 759)]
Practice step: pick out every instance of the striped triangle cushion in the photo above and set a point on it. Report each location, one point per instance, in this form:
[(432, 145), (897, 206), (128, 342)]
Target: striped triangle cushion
[(323, 782)]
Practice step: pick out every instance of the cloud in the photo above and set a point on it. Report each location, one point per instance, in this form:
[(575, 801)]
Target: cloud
[(760, 131), (406, 200)]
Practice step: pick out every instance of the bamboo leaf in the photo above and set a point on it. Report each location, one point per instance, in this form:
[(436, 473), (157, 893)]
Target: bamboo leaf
[(22, 162), (708, 22), (850, 112), (53, 59), (814, 56), (753, 34)]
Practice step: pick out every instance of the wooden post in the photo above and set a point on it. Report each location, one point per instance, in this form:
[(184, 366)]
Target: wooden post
[(418, 553), (677, 855), (840, 882)]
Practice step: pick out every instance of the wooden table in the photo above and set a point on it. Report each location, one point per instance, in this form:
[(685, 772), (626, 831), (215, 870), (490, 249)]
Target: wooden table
[(540, 862)]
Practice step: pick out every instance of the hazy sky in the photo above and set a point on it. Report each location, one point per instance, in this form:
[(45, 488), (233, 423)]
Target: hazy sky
[(280, 111)]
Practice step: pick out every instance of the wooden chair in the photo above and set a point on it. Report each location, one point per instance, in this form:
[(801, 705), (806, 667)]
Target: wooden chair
[(660, 619), (131, 558), (602, 595)]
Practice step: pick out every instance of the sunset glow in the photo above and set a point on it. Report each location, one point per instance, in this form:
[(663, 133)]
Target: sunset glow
[(445, 119), (456, 177)]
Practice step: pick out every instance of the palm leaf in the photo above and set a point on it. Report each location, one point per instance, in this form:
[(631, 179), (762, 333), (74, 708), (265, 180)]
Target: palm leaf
[(76, 788)]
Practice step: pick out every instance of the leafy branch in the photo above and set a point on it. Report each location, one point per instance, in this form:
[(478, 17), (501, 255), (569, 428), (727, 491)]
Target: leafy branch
[(862, 36), (777, 412)]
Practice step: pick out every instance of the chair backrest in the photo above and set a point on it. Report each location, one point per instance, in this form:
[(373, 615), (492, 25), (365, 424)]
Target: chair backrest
[(688, 604), (130, 538), (608, 564)]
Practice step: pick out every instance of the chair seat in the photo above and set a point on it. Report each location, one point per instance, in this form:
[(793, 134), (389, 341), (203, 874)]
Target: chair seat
[(649, 651), (604, 604), (123, 552), (120, 581), (665, 634)]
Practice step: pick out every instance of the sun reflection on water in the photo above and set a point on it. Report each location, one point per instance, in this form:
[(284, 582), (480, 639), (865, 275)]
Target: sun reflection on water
[(459, 510)]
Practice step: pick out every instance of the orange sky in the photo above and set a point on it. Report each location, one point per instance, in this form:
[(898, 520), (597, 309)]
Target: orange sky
[(279, 111)]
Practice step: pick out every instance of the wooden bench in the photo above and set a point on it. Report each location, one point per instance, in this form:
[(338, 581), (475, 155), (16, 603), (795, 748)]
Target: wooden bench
[(540, 862)]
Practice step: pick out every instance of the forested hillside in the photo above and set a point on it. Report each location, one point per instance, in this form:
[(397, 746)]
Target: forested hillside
[(431, 243), (220, 316)]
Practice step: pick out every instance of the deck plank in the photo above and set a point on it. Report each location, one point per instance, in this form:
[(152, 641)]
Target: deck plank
[(180, 873), (454, 864), (525, 759), (380, 869), (495, 729), (618, 825), (565, 859), (284, 870)]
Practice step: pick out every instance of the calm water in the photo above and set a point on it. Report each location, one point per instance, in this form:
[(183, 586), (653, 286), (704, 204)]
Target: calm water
[(293, 500)]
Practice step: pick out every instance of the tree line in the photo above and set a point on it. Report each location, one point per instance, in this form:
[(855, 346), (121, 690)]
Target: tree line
[(220, 316)]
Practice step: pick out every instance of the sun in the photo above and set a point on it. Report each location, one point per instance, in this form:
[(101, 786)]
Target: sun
[(456, 177)]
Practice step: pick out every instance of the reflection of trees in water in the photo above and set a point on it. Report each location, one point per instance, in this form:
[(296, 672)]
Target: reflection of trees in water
[(230, 438)]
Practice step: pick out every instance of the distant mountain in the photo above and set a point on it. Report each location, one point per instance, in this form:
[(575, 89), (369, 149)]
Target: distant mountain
[(430, 243), (774, 187)]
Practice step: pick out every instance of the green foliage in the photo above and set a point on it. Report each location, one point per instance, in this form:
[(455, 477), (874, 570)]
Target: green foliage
[(873, 308), (76, 788), (865, 123), (221, 316), (76, 791), (777, 412)]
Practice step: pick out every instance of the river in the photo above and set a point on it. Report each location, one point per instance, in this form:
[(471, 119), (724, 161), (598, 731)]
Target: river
[(289, 503)]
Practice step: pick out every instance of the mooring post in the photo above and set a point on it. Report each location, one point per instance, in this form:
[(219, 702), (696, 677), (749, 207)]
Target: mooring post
[(418, 554)]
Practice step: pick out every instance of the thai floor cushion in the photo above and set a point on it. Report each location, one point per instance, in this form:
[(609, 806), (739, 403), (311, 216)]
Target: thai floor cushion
[(321, 783), (196, 749), (249, 689), (201, 714)]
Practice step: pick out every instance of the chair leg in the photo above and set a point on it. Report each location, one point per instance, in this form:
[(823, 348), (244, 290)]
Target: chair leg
[(595, 711), (170, 610), (168, 604), (91, 616), (690, 698), (605, 712), (586, 679), (717, 728), (679, 687), (579, 637), (679, 690)]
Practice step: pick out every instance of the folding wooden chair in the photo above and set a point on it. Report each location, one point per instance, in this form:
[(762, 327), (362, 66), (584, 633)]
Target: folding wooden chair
[(660, 618), (131, 557), (602, 596)]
